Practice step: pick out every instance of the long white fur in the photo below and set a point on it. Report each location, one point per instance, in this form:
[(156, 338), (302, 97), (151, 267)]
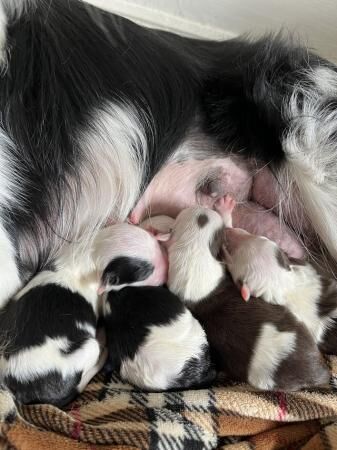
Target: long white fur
[(115, 152), (311, 148), (193, 271), (271, 348), (111, 174), (10, 279), (10, 193), (160, 360)]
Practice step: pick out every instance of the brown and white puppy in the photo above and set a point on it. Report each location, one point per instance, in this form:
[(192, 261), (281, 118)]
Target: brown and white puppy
[(260, 343), (261, 269)]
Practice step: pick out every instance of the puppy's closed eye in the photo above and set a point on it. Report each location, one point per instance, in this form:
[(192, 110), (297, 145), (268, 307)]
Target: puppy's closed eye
[(112, 279)]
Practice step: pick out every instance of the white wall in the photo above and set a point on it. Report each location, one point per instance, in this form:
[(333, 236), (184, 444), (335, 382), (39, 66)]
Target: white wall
[(314, 21)]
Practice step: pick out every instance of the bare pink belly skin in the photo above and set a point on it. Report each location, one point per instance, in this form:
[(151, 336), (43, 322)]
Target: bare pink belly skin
[(175, 186), (180, 185)]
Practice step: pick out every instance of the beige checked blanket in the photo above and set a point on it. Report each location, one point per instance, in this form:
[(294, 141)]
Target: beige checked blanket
[(113, 415)]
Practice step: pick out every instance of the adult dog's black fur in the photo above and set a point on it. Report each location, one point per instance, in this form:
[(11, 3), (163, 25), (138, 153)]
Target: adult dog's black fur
[(92, 105)]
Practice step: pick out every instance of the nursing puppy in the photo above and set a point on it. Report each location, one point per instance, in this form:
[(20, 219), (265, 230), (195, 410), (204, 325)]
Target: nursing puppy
[(194, 244), (128, 255), (48, 330), (154, 341), (50, 348), (76, 159), (260, 343), (261, 269)]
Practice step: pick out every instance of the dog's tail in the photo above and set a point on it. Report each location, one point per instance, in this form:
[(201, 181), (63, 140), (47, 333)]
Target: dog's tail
[(310, 145)]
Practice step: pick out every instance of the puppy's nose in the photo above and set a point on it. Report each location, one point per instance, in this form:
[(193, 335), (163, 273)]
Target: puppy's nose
[(101, 290)]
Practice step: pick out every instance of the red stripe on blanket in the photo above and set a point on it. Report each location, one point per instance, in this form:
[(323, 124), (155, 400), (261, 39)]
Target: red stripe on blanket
[(282, 405), (76, 430)]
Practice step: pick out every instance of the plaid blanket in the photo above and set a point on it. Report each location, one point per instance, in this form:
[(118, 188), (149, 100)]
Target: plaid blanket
[(113, 415)]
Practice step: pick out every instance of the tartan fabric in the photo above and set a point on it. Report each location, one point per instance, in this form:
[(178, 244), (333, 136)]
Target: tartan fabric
[(113, 415)]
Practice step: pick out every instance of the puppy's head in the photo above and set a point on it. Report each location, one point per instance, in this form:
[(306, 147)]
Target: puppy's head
[(197, 223), (254, 262), (125, 271)]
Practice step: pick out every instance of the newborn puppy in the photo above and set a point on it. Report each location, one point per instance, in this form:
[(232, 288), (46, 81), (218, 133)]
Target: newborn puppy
[(193, 249), (154, 341), (129, 255), (261, 269), (260, 343), (50, 349)]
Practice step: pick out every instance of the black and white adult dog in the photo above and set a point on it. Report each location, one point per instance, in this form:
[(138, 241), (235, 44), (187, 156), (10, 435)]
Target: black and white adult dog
[(92, 106)]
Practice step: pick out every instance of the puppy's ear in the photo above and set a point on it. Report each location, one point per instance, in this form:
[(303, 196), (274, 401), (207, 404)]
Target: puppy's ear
[(226, 255), (108, 279), (282, 259)]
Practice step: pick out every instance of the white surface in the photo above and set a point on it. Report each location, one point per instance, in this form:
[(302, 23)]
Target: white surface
[(314, 21)]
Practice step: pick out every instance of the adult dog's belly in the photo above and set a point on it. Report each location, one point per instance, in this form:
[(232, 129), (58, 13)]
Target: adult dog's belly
[(180, 185)]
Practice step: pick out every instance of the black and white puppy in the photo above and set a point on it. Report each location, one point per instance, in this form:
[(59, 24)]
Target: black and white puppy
[(128, 255), (93, 105), (153, 340), (50, 350), (50, 347)]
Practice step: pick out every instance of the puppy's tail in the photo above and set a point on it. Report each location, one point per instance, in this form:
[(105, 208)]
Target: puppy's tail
[(310, 145)]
